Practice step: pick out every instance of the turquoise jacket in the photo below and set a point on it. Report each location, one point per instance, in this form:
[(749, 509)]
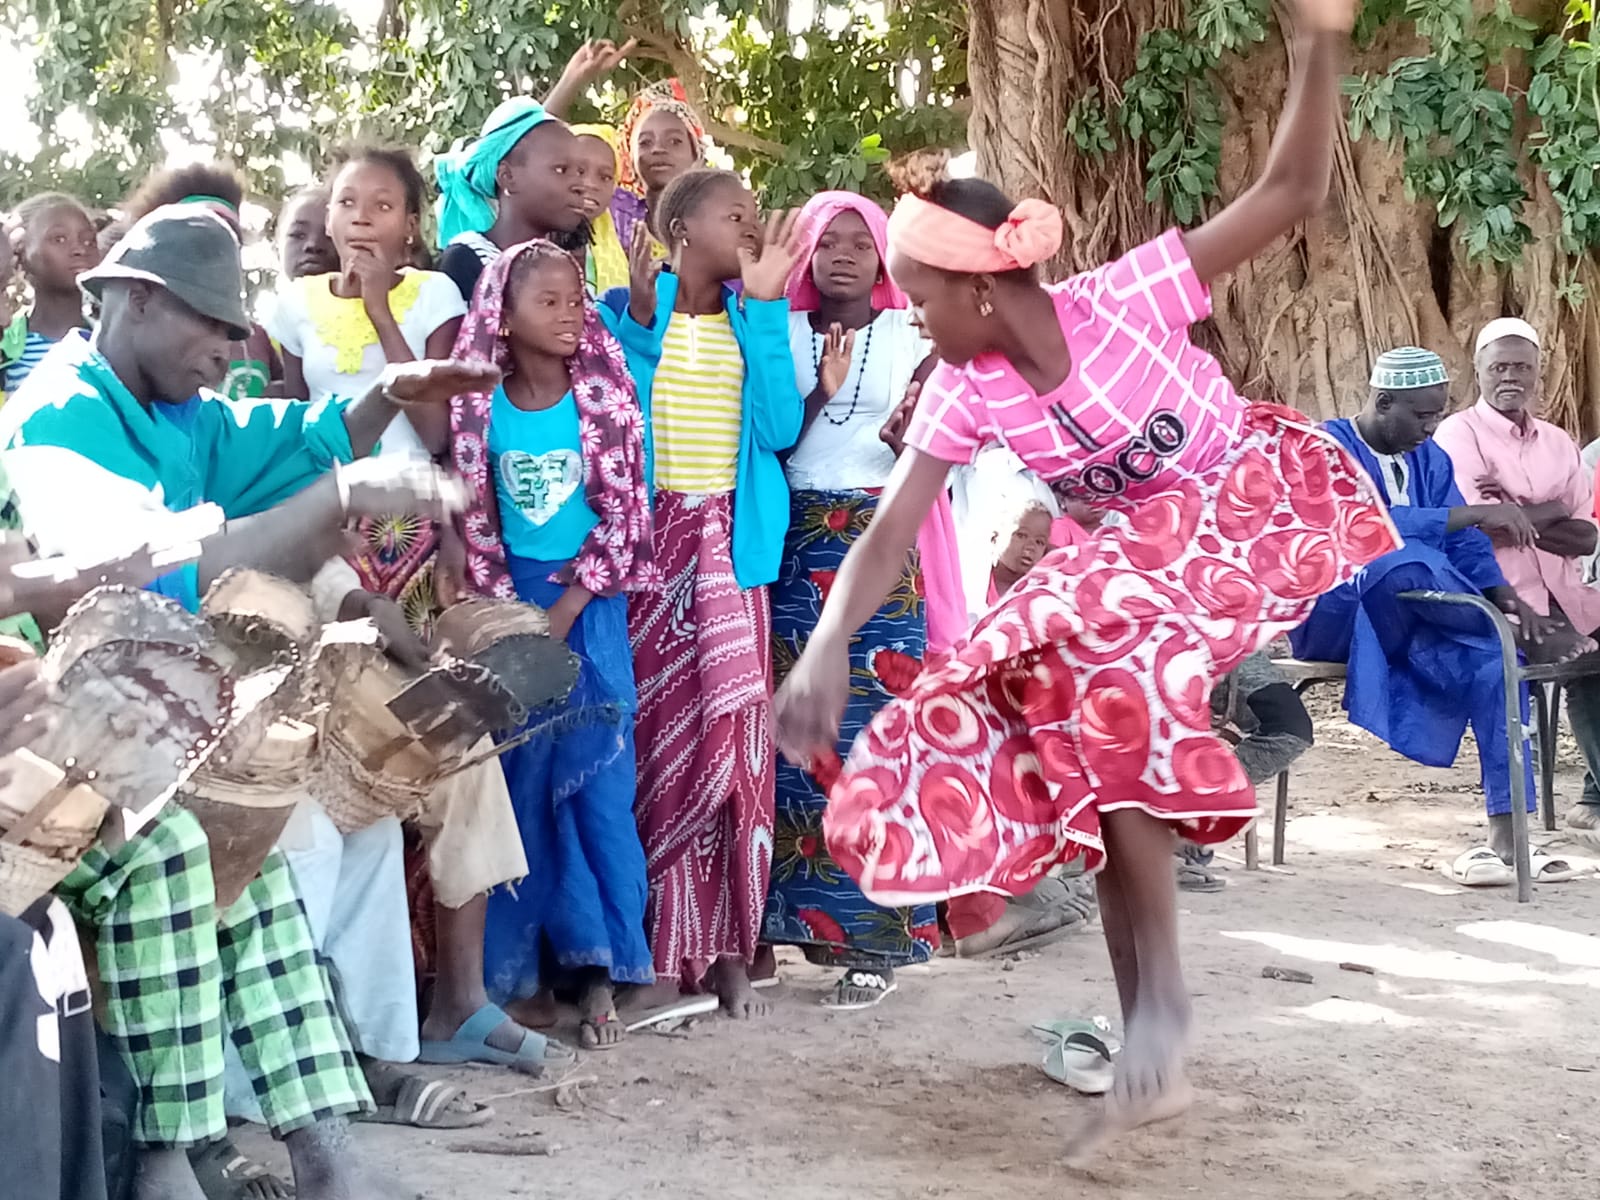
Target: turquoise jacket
[(95, 472), (773, 413)]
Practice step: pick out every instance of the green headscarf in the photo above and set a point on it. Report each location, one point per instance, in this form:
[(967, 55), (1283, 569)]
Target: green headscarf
[(466, 173)]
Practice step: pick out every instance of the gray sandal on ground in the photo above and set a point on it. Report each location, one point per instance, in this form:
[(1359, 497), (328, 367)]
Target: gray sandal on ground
[(1021, 928), (858, 988)]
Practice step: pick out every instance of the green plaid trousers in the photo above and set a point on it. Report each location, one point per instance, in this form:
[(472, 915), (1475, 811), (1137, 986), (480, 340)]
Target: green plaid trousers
[(175, 977)]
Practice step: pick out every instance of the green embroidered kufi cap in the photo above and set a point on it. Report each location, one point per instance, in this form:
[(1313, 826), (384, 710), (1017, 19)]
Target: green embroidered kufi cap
[(1408, 367)]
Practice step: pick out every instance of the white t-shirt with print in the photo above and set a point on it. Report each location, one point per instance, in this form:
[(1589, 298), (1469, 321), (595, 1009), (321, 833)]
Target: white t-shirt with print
[(842, 450), (438, 301)]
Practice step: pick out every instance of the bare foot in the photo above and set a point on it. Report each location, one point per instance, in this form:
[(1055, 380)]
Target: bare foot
[(538, 1011), (165, 1175), (765, 965), (1562, 645), (1150, 1084), (730, 979), (326, 1166), (600, 1029)]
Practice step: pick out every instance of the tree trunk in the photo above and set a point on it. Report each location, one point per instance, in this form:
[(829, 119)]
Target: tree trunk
[(1302, 323)]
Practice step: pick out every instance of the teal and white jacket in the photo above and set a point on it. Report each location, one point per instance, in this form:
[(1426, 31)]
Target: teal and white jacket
[(96, 474), (774, 410)]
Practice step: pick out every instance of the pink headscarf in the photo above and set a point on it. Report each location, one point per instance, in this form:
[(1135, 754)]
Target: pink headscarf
[(815, 218), (941, 572), (940, 238)]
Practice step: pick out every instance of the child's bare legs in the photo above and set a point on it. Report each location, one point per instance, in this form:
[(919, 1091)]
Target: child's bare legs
[(1139, 907), (1118, 929)]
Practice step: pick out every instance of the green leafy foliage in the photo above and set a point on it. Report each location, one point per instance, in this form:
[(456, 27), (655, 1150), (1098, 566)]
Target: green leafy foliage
[(1170, 103), (1563, 94), (1453, 121), (1088, 127), (273, 85)]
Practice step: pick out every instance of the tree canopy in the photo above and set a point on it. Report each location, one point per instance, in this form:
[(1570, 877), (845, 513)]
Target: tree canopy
[(269, 83)]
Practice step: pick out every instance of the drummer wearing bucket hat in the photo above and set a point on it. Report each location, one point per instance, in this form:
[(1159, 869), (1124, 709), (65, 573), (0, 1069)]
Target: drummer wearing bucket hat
[(123, 429), (118, 440)]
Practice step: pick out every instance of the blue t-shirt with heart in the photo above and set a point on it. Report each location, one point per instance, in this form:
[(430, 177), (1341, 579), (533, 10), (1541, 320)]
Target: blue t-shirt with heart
[(538, 479)]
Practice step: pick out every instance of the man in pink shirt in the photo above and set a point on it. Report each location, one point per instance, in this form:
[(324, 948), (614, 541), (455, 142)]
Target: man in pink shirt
[(1503, 453)]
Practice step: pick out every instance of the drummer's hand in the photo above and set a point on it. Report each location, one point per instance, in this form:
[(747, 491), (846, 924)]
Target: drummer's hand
[(378, 487), (399, 640), (811, 703), (48, 594), (435, 381)]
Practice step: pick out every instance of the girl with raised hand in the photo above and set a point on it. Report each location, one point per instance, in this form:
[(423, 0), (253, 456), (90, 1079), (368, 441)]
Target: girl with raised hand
[(516, 181), (340, 330), (53, 239), (560, 518), (1074, 721), (717, 386)]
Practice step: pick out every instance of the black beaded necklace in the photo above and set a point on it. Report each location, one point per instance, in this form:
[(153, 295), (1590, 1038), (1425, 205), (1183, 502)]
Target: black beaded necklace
[(861, 373)]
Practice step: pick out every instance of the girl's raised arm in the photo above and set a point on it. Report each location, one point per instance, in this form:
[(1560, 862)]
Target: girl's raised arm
[(1294, 184)]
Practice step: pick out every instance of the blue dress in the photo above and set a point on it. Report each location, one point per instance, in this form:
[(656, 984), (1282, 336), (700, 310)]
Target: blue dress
[(571, 785)]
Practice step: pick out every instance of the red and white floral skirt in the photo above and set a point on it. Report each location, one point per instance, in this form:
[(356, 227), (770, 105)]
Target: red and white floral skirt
[(1088, 686)]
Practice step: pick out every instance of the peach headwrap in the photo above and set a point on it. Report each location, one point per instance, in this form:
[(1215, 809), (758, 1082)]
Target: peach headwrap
[(940, 238)]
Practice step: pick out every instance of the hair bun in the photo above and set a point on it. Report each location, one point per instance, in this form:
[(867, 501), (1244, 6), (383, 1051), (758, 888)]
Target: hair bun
[(919, 172)]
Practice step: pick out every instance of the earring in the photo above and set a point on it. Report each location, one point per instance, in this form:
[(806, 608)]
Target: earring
[(986, 309), (505, 332)]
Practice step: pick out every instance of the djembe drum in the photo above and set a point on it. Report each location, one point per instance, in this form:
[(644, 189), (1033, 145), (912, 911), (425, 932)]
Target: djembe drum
[(245, 793), (142, 695), (390, 735)]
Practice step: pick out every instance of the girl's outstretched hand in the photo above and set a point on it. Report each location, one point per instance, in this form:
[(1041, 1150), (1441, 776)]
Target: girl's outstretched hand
[(811, 703), (838, 344), (893, 433), (643, 267), (1326, 16), (765, 278)]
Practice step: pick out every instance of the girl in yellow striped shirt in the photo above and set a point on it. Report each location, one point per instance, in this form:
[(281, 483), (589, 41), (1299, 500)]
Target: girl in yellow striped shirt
[(716, 382)]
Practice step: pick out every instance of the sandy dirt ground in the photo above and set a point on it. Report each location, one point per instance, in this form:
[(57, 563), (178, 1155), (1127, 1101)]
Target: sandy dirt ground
[(1465, 1066)]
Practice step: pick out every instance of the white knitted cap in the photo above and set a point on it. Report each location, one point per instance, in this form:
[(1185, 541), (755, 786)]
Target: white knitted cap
[(1504, 327)]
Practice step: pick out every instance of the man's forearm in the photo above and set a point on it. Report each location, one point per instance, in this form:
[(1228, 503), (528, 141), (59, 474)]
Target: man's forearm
[(1543, 516), (293, 540), (1568, 538), (367, 417)]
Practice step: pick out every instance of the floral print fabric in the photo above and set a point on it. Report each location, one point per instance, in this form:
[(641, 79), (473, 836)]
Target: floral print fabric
[(1087, 687), (813, 902), (617, 555)]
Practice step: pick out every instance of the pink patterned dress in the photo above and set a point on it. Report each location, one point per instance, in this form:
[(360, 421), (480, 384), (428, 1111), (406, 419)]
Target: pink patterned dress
[(1087, 687)]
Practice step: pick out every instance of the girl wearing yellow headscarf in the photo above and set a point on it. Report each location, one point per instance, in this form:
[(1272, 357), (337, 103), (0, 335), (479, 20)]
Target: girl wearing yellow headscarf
[(599, 162)]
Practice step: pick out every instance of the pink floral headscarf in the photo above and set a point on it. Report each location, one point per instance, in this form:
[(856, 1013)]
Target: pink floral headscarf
[(617, 555), (815, 218)]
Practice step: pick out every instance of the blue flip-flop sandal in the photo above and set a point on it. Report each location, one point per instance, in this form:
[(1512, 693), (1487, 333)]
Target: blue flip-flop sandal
[(535, 1056)]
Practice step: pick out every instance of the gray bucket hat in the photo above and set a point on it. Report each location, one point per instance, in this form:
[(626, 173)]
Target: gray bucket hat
[(190, 252)]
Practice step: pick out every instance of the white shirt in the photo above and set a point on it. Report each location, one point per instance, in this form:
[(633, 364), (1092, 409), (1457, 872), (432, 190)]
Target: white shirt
[(842, 450), (289, 321), (1396, 481)]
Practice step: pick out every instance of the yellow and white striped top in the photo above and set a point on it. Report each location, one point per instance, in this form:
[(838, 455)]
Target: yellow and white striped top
[(697, 406)]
